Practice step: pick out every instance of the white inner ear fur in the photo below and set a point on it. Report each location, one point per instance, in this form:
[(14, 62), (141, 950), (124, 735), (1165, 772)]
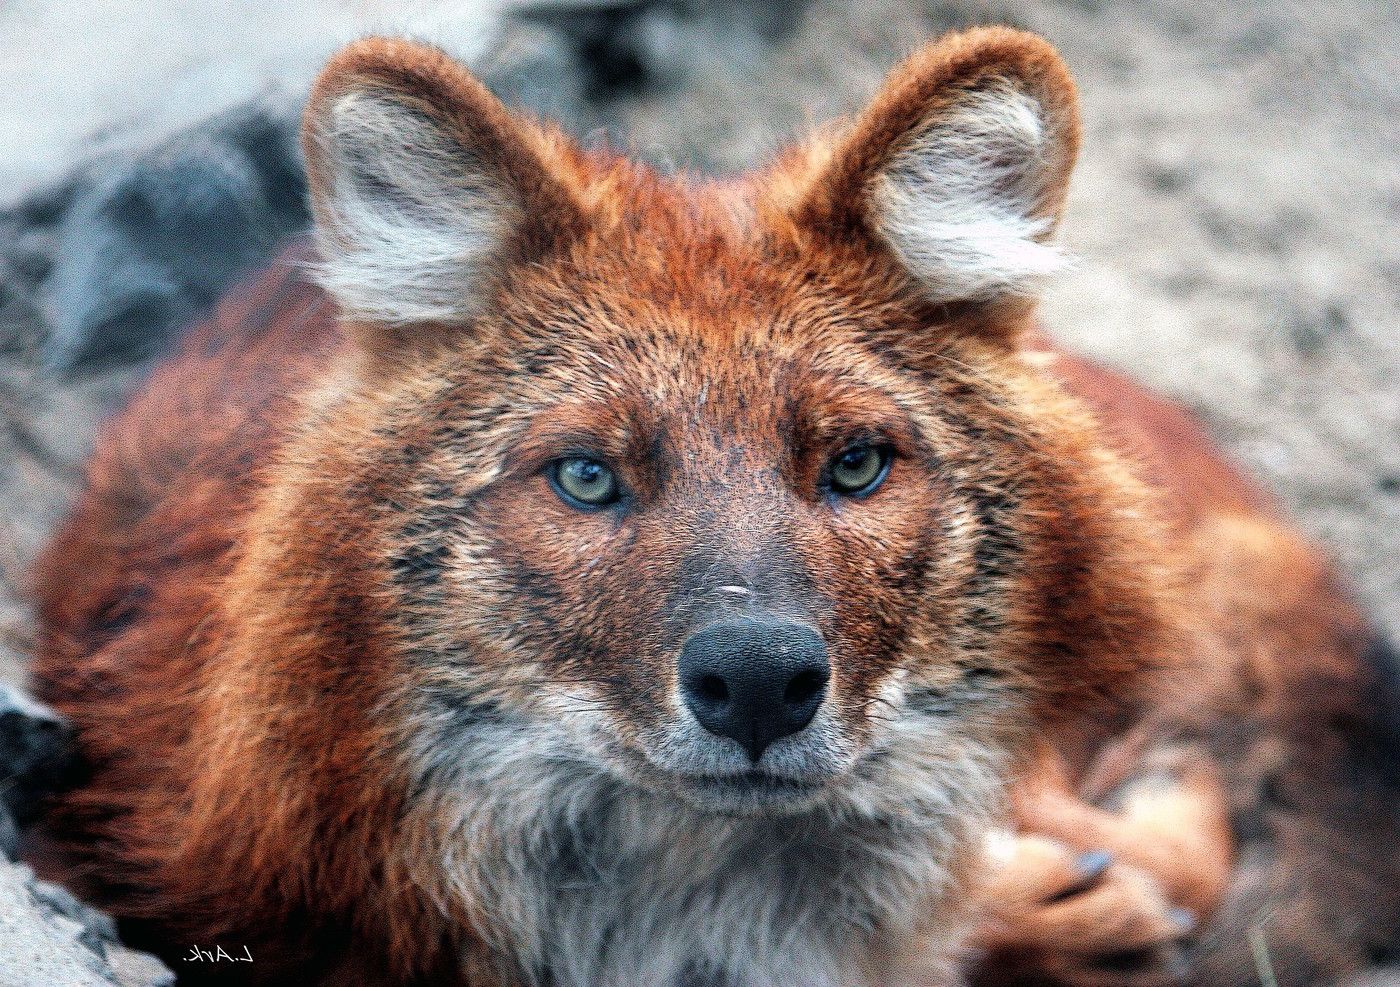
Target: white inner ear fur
[(963, 205), (411, 221)]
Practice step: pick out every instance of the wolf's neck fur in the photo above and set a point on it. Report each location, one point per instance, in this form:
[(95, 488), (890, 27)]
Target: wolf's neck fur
[(581, 880)]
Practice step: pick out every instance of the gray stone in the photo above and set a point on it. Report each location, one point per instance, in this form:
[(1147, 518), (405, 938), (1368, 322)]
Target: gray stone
[(1381, 976), (9, 835), (150, 241), (51, 939)]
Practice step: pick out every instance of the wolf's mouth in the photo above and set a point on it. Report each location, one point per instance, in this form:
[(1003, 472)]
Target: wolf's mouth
[(753, 780), (748, 792), (742, 789)]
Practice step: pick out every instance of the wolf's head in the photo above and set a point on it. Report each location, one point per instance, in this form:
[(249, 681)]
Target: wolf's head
[(737, 491)]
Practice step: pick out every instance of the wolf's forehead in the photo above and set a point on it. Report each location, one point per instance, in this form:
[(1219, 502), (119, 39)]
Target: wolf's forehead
[(680, 399), (705, 396), (717, 377)]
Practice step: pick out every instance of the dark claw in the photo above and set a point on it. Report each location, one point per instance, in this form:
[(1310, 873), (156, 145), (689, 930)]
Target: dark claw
[(1090, 866)]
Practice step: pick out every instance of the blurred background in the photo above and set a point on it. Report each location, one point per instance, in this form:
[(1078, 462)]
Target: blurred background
[(1234, 213)]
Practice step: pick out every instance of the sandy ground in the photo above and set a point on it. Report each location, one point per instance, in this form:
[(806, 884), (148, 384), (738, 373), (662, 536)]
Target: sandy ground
[(1234, 213)]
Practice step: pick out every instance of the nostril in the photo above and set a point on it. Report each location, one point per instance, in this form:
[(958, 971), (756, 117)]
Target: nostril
[(713, 689), (753, 681), (803, 687)]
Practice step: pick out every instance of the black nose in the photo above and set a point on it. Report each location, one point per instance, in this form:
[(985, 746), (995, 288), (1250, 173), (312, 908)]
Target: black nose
[(754, 681)]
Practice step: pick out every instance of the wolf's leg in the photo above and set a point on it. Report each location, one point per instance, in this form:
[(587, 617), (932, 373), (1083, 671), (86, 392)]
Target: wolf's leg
[(1088, 895)]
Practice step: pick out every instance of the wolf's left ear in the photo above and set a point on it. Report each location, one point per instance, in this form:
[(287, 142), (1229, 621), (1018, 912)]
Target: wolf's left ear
[(959, 166), (424, 187)]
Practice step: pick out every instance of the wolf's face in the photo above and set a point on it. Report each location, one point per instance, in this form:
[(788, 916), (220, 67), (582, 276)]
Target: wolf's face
[(722, 536), (734, 492)]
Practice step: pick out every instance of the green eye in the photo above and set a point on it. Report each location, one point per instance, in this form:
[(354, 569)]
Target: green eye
[(859, 470), (584, 482)]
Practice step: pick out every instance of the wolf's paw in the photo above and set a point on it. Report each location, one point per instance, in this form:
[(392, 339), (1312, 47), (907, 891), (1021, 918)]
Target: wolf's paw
[(1171, 818), (1057, 915)]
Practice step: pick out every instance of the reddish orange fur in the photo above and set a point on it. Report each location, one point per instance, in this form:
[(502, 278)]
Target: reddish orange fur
[(213, 617)]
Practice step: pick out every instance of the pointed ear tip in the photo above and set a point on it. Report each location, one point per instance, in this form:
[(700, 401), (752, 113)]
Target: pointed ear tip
[(373, 57), (996, 49), (991, 44), (419, 72), (391, 63)]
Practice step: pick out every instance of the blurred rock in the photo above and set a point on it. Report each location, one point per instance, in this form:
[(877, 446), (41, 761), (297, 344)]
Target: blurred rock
[(148, 242), (1388, 976), (35, 752), (48, 938), (52, 940), (9, 835), (626, 48)]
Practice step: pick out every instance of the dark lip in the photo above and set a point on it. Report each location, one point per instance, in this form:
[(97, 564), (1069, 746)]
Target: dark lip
[(753, 781)]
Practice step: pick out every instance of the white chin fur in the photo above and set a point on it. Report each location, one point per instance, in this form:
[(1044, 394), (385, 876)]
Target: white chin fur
[(586, 880)]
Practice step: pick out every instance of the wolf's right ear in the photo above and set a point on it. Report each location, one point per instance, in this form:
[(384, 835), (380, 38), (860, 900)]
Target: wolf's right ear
[(958, 168), (424, 186)]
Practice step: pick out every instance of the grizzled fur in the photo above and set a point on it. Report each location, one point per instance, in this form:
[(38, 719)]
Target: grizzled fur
[(360, 691)]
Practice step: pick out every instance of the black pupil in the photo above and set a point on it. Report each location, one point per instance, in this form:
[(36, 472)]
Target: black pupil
[(854, 459)]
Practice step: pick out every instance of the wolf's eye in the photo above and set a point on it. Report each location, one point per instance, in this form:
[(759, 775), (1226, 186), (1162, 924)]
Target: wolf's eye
[(584, 482), (859, 469)]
